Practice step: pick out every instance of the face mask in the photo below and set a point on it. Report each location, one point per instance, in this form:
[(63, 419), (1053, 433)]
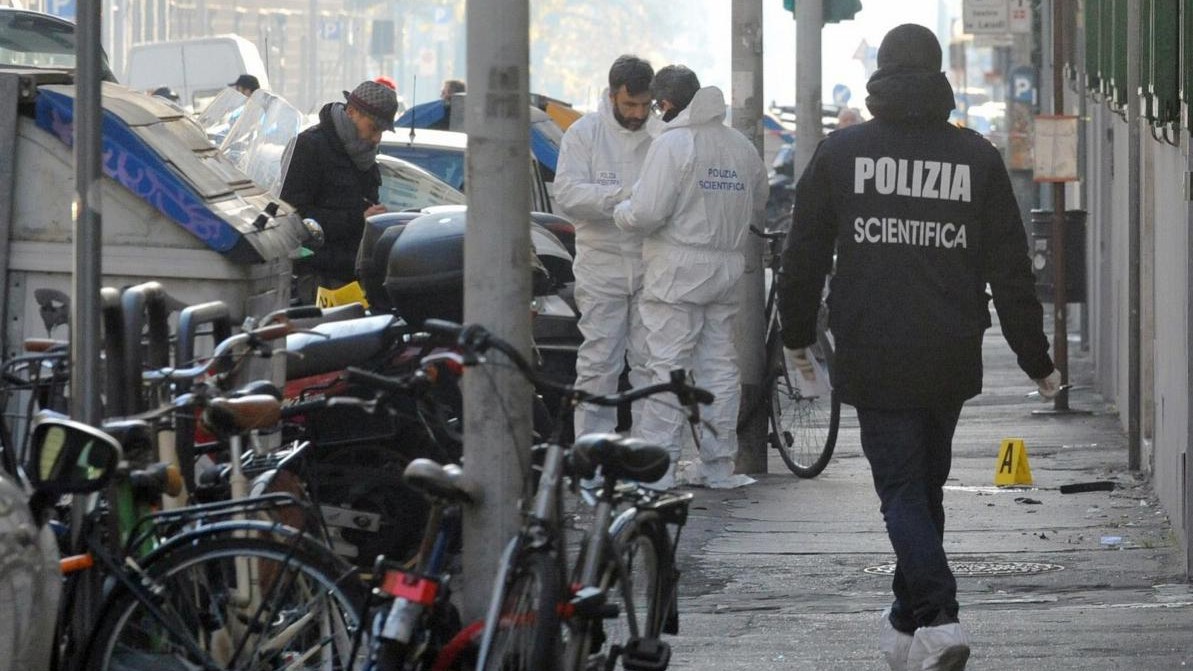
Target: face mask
[(671, 113)]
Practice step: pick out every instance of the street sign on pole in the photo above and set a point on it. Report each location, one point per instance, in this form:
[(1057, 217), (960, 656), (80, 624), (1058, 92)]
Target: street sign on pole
[(996, 17), (1019, 16), (986, 16)]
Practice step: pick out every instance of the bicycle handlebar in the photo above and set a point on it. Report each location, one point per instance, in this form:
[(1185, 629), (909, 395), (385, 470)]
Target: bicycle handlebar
[(475, 340), (275, 327)]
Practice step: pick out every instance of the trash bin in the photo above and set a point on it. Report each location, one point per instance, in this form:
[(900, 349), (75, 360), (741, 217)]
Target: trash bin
[(174, 211), (1041, 255)]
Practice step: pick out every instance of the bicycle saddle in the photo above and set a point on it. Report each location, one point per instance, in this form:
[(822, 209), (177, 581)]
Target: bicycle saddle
[(621, 457), (440, 482)]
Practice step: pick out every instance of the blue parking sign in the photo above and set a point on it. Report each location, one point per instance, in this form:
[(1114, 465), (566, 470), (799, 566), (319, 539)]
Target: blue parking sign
[(329, 29)]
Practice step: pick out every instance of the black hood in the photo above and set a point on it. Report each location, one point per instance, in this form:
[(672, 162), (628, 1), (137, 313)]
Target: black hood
[(909, 96)]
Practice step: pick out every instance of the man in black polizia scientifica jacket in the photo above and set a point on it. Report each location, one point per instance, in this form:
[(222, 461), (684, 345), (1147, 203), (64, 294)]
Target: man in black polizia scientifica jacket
[(923, 220)]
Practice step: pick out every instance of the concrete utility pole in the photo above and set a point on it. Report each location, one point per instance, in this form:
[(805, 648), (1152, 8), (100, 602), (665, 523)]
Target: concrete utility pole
[(750, 330), (809, 19), (497, 400)]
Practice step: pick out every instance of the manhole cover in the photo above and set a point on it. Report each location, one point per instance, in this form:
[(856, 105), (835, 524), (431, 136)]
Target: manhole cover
[(971, 569)]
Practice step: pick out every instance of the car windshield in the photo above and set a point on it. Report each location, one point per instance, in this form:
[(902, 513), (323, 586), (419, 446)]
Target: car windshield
[(31, 40), (446, 164)]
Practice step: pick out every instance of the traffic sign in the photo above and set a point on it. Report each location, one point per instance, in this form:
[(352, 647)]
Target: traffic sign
[(986, 16), (841, 95), (1023, 85), (1019, 16)]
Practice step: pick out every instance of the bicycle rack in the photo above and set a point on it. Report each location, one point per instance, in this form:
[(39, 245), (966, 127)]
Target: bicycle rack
[(138, 302), (216, 314)]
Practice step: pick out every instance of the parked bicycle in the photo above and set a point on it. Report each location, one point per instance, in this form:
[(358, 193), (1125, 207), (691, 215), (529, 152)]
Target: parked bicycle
[(618, 597), (200, 587), (416, 627), (802, 428)]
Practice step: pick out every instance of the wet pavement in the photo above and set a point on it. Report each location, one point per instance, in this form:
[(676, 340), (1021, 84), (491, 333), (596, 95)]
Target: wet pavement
[(775, 573)]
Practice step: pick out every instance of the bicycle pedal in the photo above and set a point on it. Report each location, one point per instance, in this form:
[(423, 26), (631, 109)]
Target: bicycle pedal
[(646, 654), (589, 602)]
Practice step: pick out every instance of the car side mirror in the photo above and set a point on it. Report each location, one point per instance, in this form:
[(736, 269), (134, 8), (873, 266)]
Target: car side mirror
[(69, 457)]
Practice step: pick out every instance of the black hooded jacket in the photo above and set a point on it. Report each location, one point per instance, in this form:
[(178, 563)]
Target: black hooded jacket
[(923, 219), (323, 184)]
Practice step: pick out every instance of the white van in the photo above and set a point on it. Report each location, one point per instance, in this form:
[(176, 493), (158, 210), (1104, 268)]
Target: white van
[(196, 69)]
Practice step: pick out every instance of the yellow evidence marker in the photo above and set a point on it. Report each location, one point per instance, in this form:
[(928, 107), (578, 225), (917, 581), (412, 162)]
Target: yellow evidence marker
[(1012, 467)]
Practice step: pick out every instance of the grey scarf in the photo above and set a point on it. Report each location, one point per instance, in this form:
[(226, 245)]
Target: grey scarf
[(362, 152)]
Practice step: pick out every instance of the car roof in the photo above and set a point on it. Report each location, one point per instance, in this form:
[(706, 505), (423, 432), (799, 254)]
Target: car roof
[(425, 137)]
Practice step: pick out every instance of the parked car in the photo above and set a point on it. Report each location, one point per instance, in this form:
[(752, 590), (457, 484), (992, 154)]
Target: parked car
[(546, 133), (406, 186), (442, 153), (37, 41)]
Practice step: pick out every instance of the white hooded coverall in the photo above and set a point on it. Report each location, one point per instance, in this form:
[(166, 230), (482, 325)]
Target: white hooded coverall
[(702, 185), (599, 161)]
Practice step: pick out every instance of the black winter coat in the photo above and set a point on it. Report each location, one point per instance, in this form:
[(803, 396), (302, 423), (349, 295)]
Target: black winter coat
[(923, 218), (323, 184)]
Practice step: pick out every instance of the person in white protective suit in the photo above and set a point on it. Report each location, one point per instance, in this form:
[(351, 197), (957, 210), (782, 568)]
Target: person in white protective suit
[(701, 187), (599, 160)]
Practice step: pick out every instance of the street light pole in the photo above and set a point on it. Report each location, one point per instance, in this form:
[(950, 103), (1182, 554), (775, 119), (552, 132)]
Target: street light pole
[(809, 19)]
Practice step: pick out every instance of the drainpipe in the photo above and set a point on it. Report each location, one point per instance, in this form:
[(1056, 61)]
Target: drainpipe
[(1134, 334)]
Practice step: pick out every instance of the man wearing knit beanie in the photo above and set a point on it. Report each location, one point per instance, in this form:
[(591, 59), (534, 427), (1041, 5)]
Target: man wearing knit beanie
[(922, 218), (331, 175)]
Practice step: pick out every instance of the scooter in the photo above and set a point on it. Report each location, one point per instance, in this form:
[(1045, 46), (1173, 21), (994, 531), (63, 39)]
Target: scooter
[(410, 269)]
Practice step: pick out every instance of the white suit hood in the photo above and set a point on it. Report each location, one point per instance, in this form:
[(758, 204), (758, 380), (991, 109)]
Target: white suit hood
[(707, 106)]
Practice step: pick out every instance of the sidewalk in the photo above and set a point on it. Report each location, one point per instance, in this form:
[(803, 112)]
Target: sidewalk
[(774, 573)]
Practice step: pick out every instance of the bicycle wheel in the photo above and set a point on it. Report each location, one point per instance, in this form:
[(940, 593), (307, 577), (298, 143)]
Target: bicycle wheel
[(234, 603), (803, 430), (527, 634), (637, 588)]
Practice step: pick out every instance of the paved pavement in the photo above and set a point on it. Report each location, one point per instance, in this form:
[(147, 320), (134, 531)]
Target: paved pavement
[(774, 573)]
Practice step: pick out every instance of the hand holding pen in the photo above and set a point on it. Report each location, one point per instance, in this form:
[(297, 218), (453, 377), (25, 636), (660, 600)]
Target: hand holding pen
[(372, 208)]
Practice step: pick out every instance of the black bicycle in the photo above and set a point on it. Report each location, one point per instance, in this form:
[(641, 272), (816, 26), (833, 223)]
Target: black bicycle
[(802, 428), (619, 596)]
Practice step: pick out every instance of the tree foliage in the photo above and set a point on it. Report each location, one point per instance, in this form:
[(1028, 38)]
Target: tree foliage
[(573, 42)]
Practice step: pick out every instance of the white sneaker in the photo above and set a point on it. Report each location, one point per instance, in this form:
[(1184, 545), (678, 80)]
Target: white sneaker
[(595, 482), (893, 643), (732, 482), (941, 648)]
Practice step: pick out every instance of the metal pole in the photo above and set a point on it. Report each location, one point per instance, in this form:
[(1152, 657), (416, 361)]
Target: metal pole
[(88, 237), (750, 329), (312, 52), (10, 91), (497, 400), (1134, 325), (1060, 333), (88, 233), (809, 18)]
